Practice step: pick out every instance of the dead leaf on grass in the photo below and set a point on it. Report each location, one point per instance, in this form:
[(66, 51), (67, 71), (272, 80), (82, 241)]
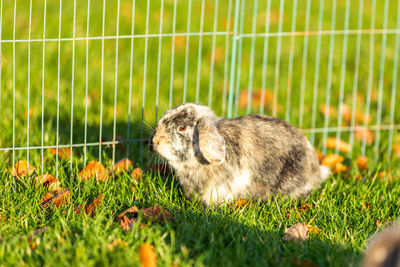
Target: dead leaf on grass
[(331, 160), (256, 97), (22, 168), (314, 229), (137, 174), (334, 142), (360, 134), (63, 152), (47, 180), (328, 111), (320, 156), (92, 208), (58, 198), (396, 149), (94, 169), (122, 165), (362, 162), (147, 256)]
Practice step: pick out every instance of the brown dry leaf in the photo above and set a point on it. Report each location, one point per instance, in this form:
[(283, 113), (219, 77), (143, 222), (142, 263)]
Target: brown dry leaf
[(339, 168), (94, 168), (332, 142), (122, 165), (296, 232), (29, 112), (320, 156), (92, 208), (300, 209), (328, 111), (346, 112), (58, 197), (180, 41), (22, 168), (157, 213), (219, 54), (256, 96), (362, 162), (364, 133), (133, 209), (47, 180), (137, 174), (314, 229), (147, 256), (127, 223), (163, 169), (396, 149), (331, 160), (362, 118), (378, 223), (63, 152), (116, 243)]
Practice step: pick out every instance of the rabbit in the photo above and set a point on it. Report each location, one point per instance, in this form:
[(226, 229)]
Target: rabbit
[(222, 160), (384, 249)]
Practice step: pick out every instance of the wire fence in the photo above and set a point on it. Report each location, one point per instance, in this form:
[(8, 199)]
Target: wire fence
[(94, 76)]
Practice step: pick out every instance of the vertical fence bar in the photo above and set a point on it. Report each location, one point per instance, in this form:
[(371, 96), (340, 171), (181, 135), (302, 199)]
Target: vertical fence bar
[(278, 60), (342, 75), (226, 58), (291, 59), (86, 82), (252, 51), (200, 52), (171, 77), (159, 60), (187, 51), (102, 79), (115, 84), (381, 73), (233, 59), (356, 75), (329, 80), (210, 87), (58, 84), (43, 67), (29, 82), (370, 75), (394, 85), (316, 72), (265, 57), (13, 71), (130, 78), (146, 41), (72, 90), (239, 60), (1, 55), (304, 65)]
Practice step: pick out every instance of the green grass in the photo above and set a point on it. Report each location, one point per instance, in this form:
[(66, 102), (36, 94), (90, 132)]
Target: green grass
[(215, 236)]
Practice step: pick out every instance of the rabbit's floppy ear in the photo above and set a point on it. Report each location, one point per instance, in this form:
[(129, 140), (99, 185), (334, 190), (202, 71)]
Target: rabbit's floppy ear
[(210, 142)]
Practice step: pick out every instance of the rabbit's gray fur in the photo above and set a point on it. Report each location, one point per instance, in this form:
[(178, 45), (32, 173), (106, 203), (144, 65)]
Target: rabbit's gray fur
[(222, 159)]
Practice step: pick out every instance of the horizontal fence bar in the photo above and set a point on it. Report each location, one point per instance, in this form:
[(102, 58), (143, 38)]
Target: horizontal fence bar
[(238, 36), (350, 128)]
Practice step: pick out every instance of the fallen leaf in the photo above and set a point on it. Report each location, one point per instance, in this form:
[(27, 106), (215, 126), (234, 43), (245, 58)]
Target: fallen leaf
[(29, 113), (364, 133), (256, 97), (333, 142), (339, 167), (126, 223), (320, 156), (239, 203), (362, 162), (58, 197), (147, 256), (133, 209), (219, 54), (180, 41), (362, 118), (303, 263), (346, 112), (92, 208), (331, 160), (378, 223), (328, 111), (63, 152), (137, 173), (157, 213), (122, 165), (314, 229), (47, 180), (22, 168), (163, 169), (93, 168), (300, 209), (296, 232), (116, 243), (396, 149)]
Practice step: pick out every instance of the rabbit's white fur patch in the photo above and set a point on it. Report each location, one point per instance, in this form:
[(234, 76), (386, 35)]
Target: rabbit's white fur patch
[(325, 172)]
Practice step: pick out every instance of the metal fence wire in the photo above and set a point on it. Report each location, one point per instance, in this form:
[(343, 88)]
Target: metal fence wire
[(95, 76)]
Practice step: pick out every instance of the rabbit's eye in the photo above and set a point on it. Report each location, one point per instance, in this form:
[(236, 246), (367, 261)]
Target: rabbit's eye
[(182, 128)]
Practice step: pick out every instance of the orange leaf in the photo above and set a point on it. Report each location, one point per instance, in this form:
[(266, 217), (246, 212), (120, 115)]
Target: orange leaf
[(133, 209), (256, 97), (362, 118), (364, 133), (91, 209), (47, 180), (320, 156), (122, 165), (362, 162), (63, 152), (94, 168), (29, 113), (314, 229), (137, 174), (331, 111), (332, 142), (340, 168), (22, 168), (331, 160), (147, 256), (396, 149), (157, 213), (58, 197), (346, 112)]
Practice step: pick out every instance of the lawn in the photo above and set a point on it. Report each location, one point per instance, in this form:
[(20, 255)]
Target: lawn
[(61, 90)]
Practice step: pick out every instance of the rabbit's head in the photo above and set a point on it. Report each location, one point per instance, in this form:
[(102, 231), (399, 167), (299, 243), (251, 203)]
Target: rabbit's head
[(188, 134)]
